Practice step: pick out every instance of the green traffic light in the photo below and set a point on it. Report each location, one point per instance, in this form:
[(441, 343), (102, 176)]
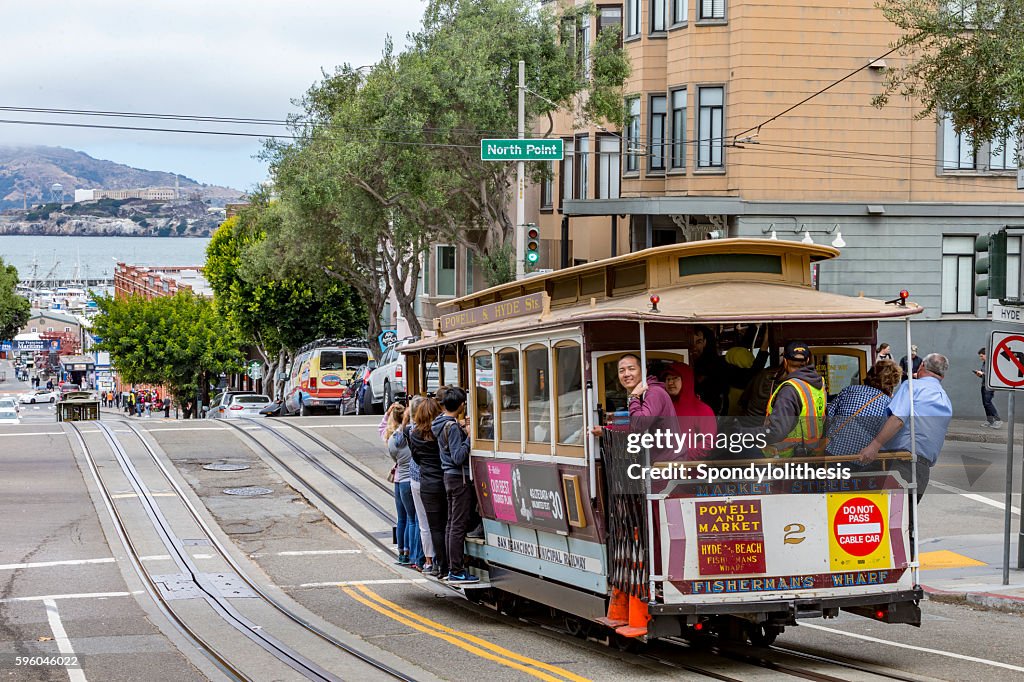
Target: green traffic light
[(533, 257)]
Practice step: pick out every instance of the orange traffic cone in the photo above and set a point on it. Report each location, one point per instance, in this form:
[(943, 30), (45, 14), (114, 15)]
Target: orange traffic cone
[(639, 616), (618, 610)]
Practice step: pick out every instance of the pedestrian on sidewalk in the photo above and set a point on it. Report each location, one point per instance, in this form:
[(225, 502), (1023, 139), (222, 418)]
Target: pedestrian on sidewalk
[(914, 366), (167, 407), (991, 413)]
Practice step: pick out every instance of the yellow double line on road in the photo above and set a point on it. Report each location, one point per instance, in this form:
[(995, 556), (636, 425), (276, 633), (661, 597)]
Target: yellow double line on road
[(463, 640)]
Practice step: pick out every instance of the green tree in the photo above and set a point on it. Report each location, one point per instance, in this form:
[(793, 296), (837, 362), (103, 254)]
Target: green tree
[(387, 161), (14, 309), (966, 60), (180, 341), (275, 316)]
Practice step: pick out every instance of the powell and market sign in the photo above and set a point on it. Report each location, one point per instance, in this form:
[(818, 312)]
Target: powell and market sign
[(531, 304)]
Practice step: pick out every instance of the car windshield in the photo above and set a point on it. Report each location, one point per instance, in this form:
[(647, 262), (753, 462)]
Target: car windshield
[(251, 400), (332, 360)]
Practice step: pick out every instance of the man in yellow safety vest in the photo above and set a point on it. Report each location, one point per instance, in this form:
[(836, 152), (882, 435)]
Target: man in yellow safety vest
[(796, 412)]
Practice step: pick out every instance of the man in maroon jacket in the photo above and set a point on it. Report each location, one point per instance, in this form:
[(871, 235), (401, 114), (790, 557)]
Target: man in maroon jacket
[(650, 406)]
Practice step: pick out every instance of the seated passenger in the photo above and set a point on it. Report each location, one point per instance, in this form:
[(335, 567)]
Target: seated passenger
[(709, 370), (694, 416), (857, 414)]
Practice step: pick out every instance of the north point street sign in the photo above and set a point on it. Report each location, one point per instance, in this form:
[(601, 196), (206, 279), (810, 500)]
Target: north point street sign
[(522, 150)]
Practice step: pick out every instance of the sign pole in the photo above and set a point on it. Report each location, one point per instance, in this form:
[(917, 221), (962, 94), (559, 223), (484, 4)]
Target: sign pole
[(521, 181), (1007, 515)]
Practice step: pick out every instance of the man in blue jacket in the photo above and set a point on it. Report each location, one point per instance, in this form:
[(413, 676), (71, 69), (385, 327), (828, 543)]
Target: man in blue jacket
[(454, 444)]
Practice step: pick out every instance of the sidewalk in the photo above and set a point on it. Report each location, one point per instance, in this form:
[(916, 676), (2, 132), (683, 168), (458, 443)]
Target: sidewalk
[(972, 431), (968, 569)]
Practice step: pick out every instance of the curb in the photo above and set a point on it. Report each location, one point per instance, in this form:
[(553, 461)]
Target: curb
[(989, 601), (999, 437)]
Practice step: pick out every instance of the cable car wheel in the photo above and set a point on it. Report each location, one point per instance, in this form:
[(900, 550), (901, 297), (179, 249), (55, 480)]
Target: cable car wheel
[(763, 634)]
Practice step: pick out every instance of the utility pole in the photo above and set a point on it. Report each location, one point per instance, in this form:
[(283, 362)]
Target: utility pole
[(521, 181)]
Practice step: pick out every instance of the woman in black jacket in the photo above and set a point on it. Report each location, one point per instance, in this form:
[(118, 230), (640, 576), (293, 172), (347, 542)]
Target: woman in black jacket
[(427, 455)]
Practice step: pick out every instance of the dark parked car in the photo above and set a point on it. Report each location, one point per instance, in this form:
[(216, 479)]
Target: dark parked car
[(353, 399), (273, 409)]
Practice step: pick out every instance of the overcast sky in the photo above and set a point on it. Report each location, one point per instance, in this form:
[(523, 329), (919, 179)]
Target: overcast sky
[(211, 58)]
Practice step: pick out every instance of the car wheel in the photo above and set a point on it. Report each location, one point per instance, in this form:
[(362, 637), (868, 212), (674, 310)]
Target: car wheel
[(53, 400), (33, 401), (368, 401), (388, 398)]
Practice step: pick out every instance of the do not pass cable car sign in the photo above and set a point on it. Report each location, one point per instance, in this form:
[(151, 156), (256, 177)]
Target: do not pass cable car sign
[(1006, 361)]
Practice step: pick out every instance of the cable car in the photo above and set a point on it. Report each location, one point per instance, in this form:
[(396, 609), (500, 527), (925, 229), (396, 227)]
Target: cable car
[(77, 406)]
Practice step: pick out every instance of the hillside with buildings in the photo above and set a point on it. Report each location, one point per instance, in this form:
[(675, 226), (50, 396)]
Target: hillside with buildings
[(32, 175), (189, 217)]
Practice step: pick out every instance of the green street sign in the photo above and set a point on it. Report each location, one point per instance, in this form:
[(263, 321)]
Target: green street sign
[(552, 149)]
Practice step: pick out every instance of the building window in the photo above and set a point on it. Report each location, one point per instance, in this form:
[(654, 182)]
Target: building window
[(583, 44), (657, 8), (710, 126), (583, 167), (680, 10), (547, 186), (958, 274), (470, 286), (610, 18), (632, 18), (609, 166), (633, 134), (957, 149), (712, 9), (568, 173), (425, 283), (445, 270), (679, 128), (1002, 153), (656, 134)]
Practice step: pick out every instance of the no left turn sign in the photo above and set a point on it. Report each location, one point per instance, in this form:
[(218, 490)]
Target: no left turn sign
[(1006, 361)]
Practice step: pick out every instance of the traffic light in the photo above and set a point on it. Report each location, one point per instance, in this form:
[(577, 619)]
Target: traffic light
[(991, 261), (532, 244)]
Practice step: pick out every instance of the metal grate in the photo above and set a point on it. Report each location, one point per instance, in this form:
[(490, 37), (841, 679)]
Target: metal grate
[(627, 518), (225, 466)]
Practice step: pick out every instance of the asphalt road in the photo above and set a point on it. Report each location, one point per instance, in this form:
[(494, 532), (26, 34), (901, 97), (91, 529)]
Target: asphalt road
[(66, 586)]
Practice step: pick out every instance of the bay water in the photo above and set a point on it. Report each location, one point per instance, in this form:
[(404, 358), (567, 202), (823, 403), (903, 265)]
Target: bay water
[(95, 257)]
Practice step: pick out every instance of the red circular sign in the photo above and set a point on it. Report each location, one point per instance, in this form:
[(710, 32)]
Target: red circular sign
[(1002, 350), (858, 526)]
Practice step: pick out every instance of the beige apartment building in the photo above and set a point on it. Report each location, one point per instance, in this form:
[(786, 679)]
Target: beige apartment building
[(718, 143)]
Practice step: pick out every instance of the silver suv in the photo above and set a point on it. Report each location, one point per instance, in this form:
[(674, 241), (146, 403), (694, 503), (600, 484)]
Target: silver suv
[(386, 383)]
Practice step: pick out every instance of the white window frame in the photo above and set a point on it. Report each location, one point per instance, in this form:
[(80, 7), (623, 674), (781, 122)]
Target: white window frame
[(454, 270), (680, 12), (609, 166), (710, 120), (659, 15), (957, 274), (582, 149), (656, 145), (711, 10), (632, 137), (677, 146), (631, 27)]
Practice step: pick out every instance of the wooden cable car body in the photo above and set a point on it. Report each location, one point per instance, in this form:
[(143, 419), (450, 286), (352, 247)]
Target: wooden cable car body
[(567, 526), (78, 406)]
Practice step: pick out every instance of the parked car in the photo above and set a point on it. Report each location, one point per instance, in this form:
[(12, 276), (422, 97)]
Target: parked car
[(9, 416), (40, 395), (352, 396), (386, 383), (274, 409), (220, 403), (319, 373), (68, 387), (245, 405), (10, 403)]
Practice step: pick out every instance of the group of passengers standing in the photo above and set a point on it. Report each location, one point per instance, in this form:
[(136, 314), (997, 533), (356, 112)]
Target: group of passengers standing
[(788, 405), (434, 494)]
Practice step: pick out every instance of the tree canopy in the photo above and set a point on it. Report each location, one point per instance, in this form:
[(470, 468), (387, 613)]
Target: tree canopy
[(966, 60), (387, 157), (275, 315), (14, 309), (179, 341)]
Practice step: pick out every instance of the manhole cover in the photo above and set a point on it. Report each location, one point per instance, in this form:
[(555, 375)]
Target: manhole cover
[(248, 492), (225, 466)]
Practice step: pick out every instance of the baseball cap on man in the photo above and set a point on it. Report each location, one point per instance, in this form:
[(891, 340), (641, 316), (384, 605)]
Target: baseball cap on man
[(797, 350)]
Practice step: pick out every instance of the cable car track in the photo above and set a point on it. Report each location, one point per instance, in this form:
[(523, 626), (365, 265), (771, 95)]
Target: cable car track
[(218, 602), (723, 651)]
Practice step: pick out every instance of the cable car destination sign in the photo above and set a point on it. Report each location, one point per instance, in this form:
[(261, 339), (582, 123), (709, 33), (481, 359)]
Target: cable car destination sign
[(531, 304), (547, 149)]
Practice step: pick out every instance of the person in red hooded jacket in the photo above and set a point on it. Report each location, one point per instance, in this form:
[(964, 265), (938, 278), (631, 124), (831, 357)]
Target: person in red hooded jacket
[(694, 415)]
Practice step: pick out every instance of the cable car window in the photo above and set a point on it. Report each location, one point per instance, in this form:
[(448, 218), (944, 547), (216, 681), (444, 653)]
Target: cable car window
[(538, 395), (483, 375), (510, 424), (568, 362), (730, 262)]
